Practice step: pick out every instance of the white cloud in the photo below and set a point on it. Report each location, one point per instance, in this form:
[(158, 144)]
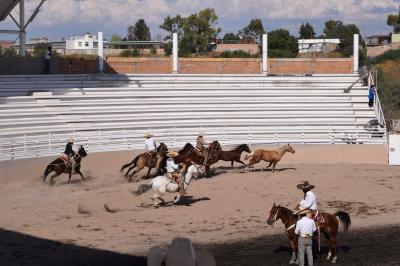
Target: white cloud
[(121, 13)]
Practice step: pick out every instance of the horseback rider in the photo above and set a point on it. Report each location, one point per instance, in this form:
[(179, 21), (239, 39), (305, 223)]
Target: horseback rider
[(70, 153), (151, 148), (201, 147), (172, 173), (309, 200)]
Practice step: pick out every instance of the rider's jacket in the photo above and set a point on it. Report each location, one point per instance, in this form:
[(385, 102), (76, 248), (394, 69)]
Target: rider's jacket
[(150, 145), (171, 165), (68, 150), (309, 201)]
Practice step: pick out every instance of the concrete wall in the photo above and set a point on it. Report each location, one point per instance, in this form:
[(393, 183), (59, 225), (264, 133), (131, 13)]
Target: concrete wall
[(373, 51)]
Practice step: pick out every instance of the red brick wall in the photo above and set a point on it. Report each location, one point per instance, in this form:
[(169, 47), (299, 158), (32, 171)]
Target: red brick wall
[(312, 66), (138, 65), (209, 65), (219, 66)]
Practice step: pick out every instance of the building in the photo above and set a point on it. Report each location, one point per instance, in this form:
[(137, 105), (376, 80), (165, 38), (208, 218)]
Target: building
[(88, 41), (247, 45), (317, 45), (6, 44), (39, 40), (378, 44)]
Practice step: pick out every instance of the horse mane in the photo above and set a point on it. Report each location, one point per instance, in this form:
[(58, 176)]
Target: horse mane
[(238, 147), (285, 210)]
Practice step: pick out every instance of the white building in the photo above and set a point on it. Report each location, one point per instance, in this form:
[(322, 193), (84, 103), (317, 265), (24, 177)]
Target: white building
[(317, 45), (89, 41)]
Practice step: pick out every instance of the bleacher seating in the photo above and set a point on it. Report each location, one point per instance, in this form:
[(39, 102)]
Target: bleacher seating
[(112, 112)]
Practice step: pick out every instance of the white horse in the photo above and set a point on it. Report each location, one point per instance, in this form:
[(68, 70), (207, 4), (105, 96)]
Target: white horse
[(162, 184)]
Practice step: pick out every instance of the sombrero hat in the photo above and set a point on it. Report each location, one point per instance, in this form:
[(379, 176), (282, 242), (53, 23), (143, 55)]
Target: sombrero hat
[(200, 134), (305, 185), (147, 135), (303, 212), (172, 154), (71, 140)]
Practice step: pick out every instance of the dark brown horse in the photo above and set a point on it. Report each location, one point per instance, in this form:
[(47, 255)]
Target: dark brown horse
[(188, 155), (328, 225), (234, 155), (61, 165), (145, 160)]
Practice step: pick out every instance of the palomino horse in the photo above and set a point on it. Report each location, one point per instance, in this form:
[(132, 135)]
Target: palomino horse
[(328, 225), (61, 165), (163, 184), (234, 155), (145, 160), (188, 155), (273, 157)]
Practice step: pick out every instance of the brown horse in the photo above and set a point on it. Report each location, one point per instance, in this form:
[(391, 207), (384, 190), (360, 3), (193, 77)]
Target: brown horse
[(273, 157), (234, 155), (145, 160), (188, 155), (60, 166), (328, 225)]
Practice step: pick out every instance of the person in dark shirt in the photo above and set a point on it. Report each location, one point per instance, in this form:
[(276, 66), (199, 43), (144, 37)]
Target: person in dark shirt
[(371, 96), (70, 153)]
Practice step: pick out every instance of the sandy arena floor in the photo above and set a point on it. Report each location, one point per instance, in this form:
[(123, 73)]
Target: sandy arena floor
[(226, 213)]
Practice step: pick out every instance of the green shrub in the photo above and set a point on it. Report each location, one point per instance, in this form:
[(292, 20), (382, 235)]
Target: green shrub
[(236, 54), (130, 53), (393, 54)]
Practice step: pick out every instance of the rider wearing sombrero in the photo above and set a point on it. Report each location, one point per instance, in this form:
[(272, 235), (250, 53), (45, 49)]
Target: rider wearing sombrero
[(151, 148), (70, 153), (172, 173), (201, 149), (309, 200)]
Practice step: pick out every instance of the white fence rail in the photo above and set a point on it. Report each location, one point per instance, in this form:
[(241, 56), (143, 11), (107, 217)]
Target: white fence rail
[(30, 146)]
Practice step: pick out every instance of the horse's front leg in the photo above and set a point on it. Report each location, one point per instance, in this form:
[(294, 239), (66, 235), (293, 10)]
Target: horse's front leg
[(177, 199), (148, 172), (239, 161), (293, 247), (78, 171), (273, 167)]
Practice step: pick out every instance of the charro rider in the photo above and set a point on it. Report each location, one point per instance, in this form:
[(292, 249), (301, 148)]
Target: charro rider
[(201, 146), (70, 153), (309, 201), (172, 173), (151, 148)]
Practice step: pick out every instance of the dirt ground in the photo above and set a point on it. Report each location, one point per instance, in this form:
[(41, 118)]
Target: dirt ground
[(40, 224)]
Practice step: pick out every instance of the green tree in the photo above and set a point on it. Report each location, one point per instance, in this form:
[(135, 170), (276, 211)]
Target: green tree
[(172, 25), (139, 32), (394, 21), (199, 30), (39, 49), (282, 44), (115, 38), (231, 37), (336, 29), (253, 30), (306, 31)]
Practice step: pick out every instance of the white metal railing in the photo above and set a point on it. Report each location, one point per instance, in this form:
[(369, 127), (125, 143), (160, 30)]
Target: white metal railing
[(31, 146)]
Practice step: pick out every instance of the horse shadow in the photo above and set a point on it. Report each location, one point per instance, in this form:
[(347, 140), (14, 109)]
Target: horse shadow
[(258, 170), (316, 253), (184, 201), (212, 173), (76, 180)]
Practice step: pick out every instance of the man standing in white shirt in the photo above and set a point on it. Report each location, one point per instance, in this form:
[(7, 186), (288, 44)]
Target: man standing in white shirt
[(305, 228), (309, 200)]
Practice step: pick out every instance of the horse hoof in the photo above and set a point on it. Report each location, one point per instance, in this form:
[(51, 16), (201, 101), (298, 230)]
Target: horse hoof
[(334, 260)]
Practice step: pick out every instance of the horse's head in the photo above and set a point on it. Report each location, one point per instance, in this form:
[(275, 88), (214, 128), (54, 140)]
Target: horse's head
[(187, 148), (274, 214), (246, 148), (289, 148), (82, 152), (162, 148)]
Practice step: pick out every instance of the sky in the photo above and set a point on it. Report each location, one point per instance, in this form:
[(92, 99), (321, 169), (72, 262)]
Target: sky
[(67, 18)]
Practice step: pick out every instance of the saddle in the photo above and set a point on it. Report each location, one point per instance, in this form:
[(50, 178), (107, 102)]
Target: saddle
[(318, 218), (65, 159), (174, 177)]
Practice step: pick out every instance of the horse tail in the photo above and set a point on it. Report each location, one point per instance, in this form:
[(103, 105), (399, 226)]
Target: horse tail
[(134, 161), (344, 218), (248, 156), (47, 171), (143, 188)]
